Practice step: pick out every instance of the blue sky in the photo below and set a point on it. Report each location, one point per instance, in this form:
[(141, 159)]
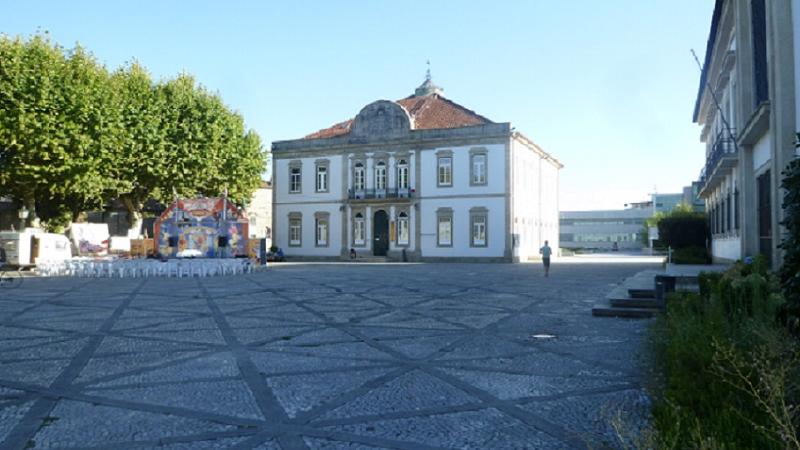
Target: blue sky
[(607, 87)]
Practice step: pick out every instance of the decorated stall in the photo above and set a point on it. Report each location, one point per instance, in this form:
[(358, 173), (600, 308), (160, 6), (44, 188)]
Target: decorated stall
[(203, 228)]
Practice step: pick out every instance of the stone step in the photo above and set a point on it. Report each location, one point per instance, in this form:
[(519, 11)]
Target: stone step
[(633, 313), (371, 259), (641, 293), (639, 302)]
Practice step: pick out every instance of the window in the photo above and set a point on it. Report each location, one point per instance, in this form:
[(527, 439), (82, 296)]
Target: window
[(477, 167), (359, 235), (295, 179), (444, 229), (380, 175), (295, 230), (321, 226), (402, 229), (445, 171), (478, 218), (322, 176), (736, 209), (402, 174), (358, 176)]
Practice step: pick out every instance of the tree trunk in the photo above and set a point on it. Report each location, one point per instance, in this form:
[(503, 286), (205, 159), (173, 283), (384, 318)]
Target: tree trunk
[(134, 209)]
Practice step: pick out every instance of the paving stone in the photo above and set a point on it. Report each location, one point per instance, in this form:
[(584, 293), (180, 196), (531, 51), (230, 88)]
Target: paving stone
[(78, 424), (220, 397), (327, 444), (608, 420), (10, 416), (217, 365), (337, 356), (300, 393), (410, 392), (471, 429)]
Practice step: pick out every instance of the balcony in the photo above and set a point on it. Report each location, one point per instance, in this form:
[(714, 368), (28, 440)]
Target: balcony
[(719, 163), (379, 195)]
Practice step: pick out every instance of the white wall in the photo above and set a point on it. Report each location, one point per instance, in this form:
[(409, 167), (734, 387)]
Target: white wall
[(308, 247), (761, 152), (729, 249), (259, 211), (461, 197), (796, 36), (461, 171), (308, 202), (535, 201), (281, 180), (461, 227)]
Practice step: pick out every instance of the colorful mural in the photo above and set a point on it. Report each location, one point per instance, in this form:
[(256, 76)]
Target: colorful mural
[(202, 227)]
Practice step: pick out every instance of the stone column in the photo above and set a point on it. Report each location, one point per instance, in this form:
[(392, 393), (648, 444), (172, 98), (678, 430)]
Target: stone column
[(392, 219), (391, 174), (368, 228), (369, 167)]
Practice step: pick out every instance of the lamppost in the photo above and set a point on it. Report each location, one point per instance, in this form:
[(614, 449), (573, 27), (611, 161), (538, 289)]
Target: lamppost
[(23, 216)]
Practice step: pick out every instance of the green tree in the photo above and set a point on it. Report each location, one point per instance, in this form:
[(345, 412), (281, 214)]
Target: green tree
[(57, 122), (74, 137)]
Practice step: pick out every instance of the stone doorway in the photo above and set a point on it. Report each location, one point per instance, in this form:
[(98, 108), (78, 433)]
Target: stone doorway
[(380, 233)]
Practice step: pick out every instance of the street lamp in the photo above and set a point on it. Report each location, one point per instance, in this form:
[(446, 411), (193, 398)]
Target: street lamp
[(23, 216)]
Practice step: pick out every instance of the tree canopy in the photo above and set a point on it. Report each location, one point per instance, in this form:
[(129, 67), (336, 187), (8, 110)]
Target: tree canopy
[(74, 136)]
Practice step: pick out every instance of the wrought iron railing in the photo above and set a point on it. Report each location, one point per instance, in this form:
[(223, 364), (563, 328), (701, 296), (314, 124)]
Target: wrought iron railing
[(724, 145), (365, 194)]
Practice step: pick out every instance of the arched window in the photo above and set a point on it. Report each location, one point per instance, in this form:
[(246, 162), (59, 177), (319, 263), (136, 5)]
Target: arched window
[(380, 175), (402, 229), (402, 174), (359, 235), (358, 176)]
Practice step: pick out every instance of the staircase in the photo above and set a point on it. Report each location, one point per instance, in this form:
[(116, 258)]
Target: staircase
[(634, 298)]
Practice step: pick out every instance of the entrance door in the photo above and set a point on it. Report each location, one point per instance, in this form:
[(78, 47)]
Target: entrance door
[(380, 233)]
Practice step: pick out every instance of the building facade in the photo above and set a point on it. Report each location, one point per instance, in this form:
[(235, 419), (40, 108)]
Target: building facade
[(603, 230), (259, 212), (747, 108), (422, 178)]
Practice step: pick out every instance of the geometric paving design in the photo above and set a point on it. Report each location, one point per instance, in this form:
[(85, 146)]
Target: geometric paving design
[(322, 356)]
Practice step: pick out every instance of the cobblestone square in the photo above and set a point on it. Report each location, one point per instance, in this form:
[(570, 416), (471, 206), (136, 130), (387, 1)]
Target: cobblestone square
[(322, 356)]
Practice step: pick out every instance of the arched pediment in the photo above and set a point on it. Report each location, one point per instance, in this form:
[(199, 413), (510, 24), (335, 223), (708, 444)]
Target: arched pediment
[(381, 119)]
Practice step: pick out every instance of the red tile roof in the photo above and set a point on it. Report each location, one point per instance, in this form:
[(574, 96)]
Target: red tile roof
[(428, 112)]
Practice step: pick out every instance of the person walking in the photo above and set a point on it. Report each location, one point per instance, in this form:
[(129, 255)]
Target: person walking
[(546, 251)]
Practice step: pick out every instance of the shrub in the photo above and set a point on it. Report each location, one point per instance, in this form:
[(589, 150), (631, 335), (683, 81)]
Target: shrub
[(683, 229), (691, 255), (790, 271), (729, 375)]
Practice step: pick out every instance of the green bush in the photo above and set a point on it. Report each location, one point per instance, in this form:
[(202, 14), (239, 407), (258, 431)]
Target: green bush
[(691, 255), (683, 229), (790, 271), (729, 375)]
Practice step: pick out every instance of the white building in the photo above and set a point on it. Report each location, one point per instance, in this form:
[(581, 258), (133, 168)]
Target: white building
[(259, 212), (422, 178), (747, 108)]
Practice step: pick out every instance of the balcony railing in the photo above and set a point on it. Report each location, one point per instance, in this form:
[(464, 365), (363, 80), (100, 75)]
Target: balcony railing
[(369, 194), (724, 146)]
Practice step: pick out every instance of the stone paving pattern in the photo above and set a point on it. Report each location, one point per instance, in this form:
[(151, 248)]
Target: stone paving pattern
[(321, 357)]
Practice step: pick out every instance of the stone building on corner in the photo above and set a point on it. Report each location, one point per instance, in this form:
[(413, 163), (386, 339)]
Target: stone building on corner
[(421, 178), (748, 111)]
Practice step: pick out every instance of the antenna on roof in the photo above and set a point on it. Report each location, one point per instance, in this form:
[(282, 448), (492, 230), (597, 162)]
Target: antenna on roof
[(725, 122), (428, 72)]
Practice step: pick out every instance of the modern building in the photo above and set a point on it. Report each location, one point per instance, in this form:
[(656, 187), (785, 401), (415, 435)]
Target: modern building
[(421, 178), (747, 108), (602, 230), (623, 229)]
